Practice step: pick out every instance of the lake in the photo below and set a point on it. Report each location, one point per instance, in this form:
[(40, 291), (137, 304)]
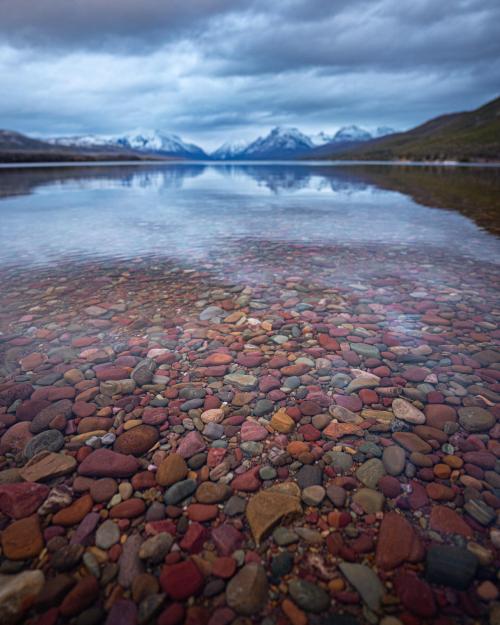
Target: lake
[(213, 350)]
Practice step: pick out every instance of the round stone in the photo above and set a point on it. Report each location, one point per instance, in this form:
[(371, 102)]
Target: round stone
[(136, 441), (475, 419)]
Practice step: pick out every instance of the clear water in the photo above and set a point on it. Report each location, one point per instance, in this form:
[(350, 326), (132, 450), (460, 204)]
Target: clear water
[(193, 213)]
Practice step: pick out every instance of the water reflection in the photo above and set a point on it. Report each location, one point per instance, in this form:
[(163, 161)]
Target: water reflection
[(193, 212)]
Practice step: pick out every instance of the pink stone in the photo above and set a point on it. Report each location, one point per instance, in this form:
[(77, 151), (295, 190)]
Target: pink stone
[(351, 402), (191, 444), (20, 500), (154, 416), (248, 481), (16, 437), (107, 463), (226, 539), (252, 431)]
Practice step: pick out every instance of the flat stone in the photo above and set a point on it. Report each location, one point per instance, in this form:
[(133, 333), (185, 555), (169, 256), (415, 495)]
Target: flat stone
[(336, 431), (247, 592), (450, 566), (447, 521), (366, 582), (252, 431), (107, 463), (411, 442), (480, 511), (365, 350), (18, 593), (309, 597), (370, 472), (46, 465), (267, 508), (242, 381), (475, 419), (407, 412)]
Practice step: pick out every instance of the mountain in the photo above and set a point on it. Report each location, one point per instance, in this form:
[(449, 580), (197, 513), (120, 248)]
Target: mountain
[(280, 143), (230, 150), (351, 133), (467, 136), (18, 148), (149, 141), (283, 143)]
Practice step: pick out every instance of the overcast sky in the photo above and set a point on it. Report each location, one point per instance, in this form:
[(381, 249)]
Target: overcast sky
[(216, 70)]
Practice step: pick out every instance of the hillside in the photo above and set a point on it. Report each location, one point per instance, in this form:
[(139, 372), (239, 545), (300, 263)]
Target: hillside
[(18, 148), (467, 136)]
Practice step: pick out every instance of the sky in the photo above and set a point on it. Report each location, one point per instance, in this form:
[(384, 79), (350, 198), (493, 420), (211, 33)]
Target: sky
[(218, 70)]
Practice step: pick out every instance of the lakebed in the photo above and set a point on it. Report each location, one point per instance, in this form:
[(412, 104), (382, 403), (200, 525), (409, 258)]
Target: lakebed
[(250, 393)]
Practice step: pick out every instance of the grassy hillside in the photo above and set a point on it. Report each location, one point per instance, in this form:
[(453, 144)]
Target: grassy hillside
[(468, 136)]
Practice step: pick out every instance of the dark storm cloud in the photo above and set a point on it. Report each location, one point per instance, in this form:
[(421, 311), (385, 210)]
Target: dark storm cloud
[(209, 67)]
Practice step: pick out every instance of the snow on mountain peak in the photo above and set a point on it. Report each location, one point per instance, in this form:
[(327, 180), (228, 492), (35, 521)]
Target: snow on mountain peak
[(352, 133), (230, 149)]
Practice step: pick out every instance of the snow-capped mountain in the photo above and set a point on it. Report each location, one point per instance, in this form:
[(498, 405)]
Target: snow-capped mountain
[(351, 133), (281, 142), (230, 150), (150, 141), (321, 138)]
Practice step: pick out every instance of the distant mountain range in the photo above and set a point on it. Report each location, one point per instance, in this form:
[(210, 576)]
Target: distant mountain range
[(149, 141), (465, 136)]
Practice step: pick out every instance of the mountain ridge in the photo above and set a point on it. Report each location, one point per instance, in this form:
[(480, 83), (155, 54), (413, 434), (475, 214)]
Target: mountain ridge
[(464, 136)]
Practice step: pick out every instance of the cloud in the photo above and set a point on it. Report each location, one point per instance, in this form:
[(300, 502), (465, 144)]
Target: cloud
[(217, 68)]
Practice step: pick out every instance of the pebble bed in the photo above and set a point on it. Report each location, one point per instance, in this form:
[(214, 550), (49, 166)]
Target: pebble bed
[(311, 436)]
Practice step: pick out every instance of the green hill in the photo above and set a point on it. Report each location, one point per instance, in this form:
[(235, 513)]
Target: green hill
[(468, 136)]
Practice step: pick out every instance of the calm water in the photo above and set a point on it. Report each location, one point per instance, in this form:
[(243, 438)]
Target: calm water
[(195, 213)]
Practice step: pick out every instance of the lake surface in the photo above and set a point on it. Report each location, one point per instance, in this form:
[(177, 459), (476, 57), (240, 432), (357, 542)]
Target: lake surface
[(328, 332), (193, 213)]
